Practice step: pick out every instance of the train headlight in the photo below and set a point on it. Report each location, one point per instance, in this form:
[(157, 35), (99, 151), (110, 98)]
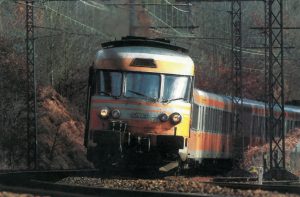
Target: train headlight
[(163, 117), (104, 112), (115, 114), (175, 118)]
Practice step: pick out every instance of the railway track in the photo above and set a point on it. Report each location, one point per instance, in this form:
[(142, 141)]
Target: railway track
[(51, 189), (44, 183), (293, 188)]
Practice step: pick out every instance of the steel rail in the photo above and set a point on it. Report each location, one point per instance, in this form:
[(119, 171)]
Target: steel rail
[(103, 192), (39, 192), (280, 187), (67, 191), (33, 182), (16, 177)]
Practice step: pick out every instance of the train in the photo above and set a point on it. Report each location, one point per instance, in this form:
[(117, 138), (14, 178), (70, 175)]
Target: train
[(143, 109)]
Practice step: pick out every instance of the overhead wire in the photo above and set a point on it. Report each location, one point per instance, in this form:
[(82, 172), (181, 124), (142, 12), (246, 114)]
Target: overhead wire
[(175, 7), (95, 4), (163, 22), (160, 20), (63, 32), (48, 8), (257, 52), (92, 29)]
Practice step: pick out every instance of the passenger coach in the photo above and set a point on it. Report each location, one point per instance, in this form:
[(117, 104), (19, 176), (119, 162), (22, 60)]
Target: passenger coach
[(211, 133)]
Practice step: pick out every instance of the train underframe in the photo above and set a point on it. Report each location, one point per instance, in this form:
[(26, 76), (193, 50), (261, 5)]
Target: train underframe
[(124, 149), (119, 148), (115, 149)]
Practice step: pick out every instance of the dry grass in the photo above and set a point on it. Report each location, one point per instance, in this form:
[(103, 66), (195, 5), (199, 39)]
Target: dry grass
[(61, 132)]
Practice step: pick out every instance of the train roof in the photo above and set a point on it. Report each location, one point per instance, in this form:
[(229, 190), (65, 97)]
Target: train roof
[(246, 102), (143, 41), (140, 55)]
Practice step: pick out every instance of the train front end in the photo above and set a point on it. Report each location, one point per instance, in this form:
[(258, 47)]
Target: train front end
[(139, 106)]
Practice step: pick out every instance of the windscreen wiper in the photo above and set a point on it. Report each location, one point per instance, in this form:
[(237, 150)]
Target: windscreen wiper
[(143, 95), (173, 99), (109, 94)]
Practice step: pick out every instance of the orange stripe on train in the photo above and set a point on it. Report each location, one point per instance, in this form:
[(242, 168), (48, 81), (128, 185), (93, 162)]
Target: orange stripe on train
[(212, 142), (143, 127), (199, 99), (211, 102), (144, 103)]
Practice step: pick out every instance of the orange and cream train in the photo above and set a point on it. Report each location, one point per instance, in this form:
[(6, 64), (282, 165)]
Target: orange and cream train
[(142, 108)]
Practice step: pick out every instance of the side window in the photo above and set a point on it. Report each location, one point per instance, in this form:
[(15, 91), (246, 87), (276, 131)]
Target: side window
[(110, 83), (224, 123), (207, 118), (92, 81), (210, 120), (205, 115), (195, 119), (260, 126), (289, 125), (177, 87), (203, 111), (263, 123), (285, 125), (254, 125), (200, 123), (296, 123), (220, 119), (215, 120), (264, 133), (227, 122)]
